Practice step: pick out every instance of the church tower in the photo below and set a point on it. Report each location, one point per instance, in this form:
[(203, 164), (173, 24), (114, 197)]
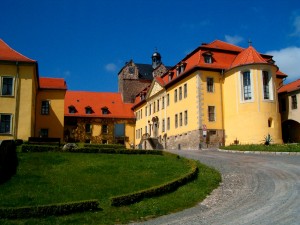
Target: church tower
[(156, 60)]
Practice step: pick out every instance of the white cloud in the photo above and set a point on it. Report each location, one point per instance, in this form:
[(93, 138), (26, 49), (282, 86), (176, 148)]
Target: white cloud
[(296, 25), (288, 61), (111, 67), (233, 39)]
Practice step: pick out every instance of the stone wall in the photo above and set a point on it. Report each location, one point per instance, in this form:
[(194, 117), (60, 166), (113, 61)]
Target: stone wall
[(130, 88), (193, 140)]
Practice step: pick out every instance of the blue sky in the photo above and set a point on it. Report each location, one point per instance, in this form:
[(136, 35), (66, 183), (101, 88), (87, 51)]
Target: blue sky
[(87, 42)]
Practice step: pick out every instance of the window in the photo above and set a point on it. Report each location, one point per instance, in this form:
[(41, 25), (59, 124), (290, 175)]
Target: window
[(154, 109), (146, 111), (141, 114), (44, 133), (104, 110), (180, 119), (72, 109), (267, 86), (7, 86), (88, 128), (5, 123), (45, 108), (294, 102), (176, 120), (163, 102), (168, 99), (180, 93), (131, 70), (105, 142), (185, 90), (246, 86), (168, 123), (157, 105), (88, 110), (170, 76), (104, 129), (207, 57), (175, 95), (149, 109), (270, 122), (163, 125), (210, 84), (211, 113), (283, 105), (185, 117), (119, 130)]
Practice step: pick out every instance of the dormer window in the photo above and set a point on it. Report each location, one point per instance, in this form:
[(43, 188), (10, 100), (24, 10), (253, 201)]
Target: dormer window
[(207, 57), (180, 68), (143, 95), (170, 76), (88, 110), (271, 61), (104, 110), (72, 109)]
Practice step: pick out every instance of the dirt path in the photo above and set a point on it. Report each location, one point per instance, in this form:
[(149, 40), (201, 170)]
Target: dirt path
[(256, 189)]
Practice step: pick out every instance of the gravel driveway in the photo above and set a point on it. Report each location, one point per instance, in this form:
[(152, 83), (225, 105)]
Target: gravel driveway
[(256, 189)]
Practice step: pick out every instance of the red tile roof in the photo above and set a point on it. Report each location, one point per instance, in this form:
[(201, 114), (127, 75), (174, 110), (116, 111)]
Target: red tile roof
[(217, 44), (9, 54), (97, 100), (248, 56), (53, 83), (293, 86)]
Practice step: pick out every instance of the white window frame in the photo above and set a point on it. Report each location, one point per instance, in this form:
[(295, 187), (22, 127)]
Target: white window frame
[(208, 85), (214, 113), (241, 77), (10, 125), (13, 86), (270, 86)]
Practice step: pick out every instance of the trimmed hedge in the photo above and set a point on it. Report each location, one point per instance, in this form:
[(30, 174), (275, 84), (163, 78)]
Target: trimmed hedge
[(105, 146), (156, 191), (40, 148), (116, 151), (49, 210), (8, 160)]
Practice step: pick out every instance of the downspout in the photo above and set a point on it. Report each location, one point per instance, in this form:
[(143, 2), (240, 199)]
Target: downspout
[(17, 105), (222, 105)]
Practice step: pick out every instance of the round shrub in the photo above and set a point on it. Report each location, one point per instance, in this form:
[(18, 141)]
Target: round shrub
[(8, 160)]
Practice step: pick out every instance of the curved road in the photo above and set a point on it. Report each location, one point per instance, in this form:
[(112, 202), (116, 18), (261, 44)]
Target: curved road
[(256, 189)]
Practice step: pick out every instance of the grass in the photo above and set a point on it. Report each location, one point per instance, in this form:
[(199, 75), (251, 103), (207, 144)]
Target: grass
[(265, 148), (45, 178)]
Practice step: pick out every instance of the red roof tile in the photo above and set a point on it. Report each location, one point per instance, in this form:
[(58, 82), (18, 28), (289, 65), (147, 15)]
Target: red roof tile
[(293, 86), (217, 44), (248, 56), (52, 83), (9, 54), (97, 101)]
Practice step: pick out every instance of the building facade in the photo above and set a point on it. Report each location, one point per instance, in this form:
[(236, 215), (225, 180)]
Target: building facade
[(289, 96), (98, 117), (219, 94), (19, 85)]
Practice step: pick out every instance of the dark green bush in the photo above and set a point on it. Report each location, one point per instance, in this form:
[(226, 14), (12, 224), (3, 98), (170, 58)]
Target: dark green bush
[(49, 210), (105, 146), (8, 160), (40, 148), (156, 191)]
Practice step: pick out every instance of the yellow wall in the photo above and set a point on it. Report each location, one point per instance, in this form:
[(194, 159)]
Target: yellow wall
[(54, 122), (22, 102), (248, 121)]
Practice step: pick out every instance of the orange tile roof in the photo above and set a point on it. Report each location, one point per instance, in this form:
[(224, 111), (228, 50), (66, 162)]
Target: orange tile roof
[(217, 44), (248, 56), (9, 54), (52, 83), (293, 86), (97, 100)]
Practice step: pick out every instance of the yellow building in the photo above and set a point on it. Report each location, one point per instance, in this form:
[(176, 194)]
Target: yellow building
[(98, 117), (50, 108), (19, 85), (218, 94), (289, 96)]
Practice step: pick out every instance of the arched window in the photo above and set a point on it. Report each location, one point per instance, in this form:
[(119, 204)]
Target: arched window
[(270, 122)]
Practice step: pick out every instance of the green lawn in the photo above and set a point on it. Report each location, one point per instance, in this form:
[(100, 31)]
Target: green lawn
[(46, 178), (267, 148)]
